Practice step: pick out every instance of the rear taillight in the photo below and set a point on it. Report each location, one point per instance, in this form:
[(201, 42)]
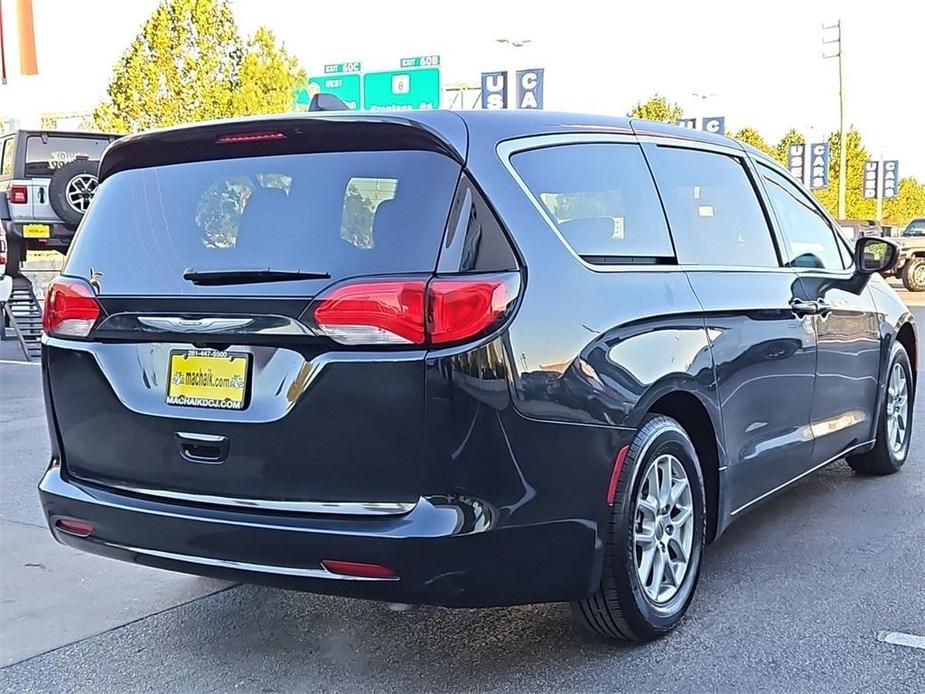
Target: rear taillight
[(460, 309), (19, 195), (385, 312), (71, 308), (415, 311)]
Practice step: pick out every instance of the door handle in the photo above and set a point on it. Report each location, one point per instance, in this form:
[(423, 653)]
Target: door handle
[(804, 308), (202, 448)]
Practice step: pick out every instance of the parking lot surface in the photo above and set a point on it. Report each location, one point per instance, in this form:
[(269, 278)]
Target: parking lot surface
[(799, 595)]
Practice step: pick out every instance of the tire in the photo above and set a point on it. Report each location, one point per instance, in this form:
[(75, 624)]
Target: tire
[(885, 457), (913, 274), (15, 250), (71, 189), (622, 606)]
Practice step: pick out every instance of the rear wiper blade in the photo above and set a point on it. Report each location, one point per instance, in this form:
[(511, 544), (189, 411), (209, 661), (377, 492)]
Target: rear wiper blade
[(219, 277)]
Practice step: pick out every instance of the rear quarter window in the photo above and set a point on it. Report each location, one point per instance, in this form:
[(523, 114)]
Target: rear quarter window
[(6, 157), (45, 154), (601, 198)]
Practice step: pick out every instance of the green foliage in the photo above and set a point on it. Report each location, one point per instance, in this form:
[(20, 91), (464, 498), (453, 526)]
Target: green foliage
[(188, 64), (268, 76), (657, 108), (750, 136), (856, 206), (791, 137), (908, 204)]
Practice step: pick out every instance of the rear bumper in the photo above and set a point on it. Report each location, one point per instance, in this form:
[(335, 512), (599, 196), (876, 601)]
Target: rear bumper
[(453, 552)]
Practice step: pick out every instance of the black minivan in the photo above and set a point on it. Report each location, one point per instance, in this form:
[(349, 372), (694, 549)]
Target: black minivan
[(462, 359)]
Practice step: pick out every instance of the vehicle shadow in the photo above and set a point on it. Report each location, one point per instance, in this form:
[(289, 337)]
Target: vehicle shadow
[(282, 638)]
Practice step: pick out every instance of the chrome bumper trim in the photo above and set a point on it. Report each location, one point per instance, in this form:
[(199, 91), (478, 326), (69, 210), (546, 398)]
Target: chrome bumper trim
[(342, 508)]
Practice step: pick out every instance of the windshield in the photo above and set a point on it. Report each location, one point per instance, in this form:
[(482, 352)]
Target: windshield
[(341, 214), (916, 228)]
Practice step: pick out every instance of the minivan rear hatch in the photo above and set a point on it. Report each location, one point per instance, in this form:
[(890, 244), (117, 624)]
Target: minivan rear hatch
[(204, 378)]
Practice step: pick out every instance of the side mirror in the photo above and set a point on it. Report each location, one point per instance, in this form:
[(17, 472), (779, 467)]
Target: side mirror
[(875, 254)]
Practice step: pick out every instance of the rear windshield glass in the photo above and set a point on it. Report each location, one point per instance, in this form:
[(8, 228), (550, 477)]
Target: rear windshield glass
[(44, 157), (345, 214)]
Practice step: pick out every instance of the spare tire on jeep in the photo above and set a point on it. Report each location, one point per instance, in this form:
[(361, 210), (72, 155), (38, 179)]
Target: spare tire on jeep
[(71, 189)]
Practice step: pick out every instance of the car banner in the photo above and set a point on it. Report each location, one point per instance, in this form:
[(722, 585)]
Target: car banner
[(714, 124), (819, 166), (494, 90), (890, 178), (871, 178), (530, 88), (796, 157)]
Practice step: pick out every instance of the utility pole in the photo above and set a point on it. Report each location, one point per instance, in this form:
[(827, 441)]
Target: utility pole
[(842, 142)]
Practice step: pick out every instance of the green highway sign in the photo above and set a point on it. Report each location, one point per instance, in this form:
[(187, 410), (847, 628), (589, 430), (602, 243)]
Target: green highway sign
[(421, 61), (400, 90), (333, 68), (345, 87)]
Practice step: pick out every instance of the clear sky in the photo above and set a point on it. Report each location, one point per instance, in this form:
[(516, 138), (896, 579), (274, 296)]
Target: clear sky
[(758, 62)]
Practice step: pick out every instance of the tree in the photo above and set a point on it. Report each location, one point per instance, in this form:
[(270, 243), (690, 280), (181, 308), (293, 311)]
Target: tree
[(181, 67), (791, 137), (750, 136), (189, 64), (268, 76), (908, 204), (856, 205), (657, 108)]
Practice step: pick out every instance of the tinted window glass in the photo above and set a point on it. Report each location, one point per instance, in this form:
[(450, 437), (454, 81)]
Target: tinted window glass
[(713, 210), (350, 213), (6, 157), (600, 196), (809, 240), (44, 158), (474, 241)]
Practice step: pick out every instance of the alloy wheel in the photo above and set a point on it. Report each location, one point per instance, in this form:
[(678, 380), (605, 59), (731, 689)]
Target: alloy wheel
[(897, 408), (80, 190), (663, 529)]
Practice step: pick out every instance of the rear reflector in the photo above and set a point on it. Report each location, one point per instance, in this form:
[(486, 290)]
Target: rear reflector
[(359, 569), (19, 195), (415, 311), (241, 138), (71, 308), (615, 475), (72, 526)]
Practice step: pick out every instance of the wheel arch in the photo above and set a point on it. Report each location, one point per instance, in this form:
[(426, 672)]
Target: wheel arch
[(694, 417), (907, 338)]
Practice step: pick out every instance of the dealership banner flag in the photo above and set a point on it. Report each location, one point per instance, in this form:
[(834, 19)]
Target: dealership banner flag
[(819, 166), (871, 178), (890, 178)]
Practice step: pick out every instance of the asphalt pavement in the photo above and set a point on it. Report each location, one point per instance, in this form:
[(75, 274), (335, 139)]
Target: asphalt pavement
[(807, 593)]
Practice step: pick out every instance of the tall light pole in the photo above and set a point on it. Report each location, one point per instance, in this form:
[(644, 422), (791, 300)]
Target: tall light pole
[(2, 49), (836, 41)]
